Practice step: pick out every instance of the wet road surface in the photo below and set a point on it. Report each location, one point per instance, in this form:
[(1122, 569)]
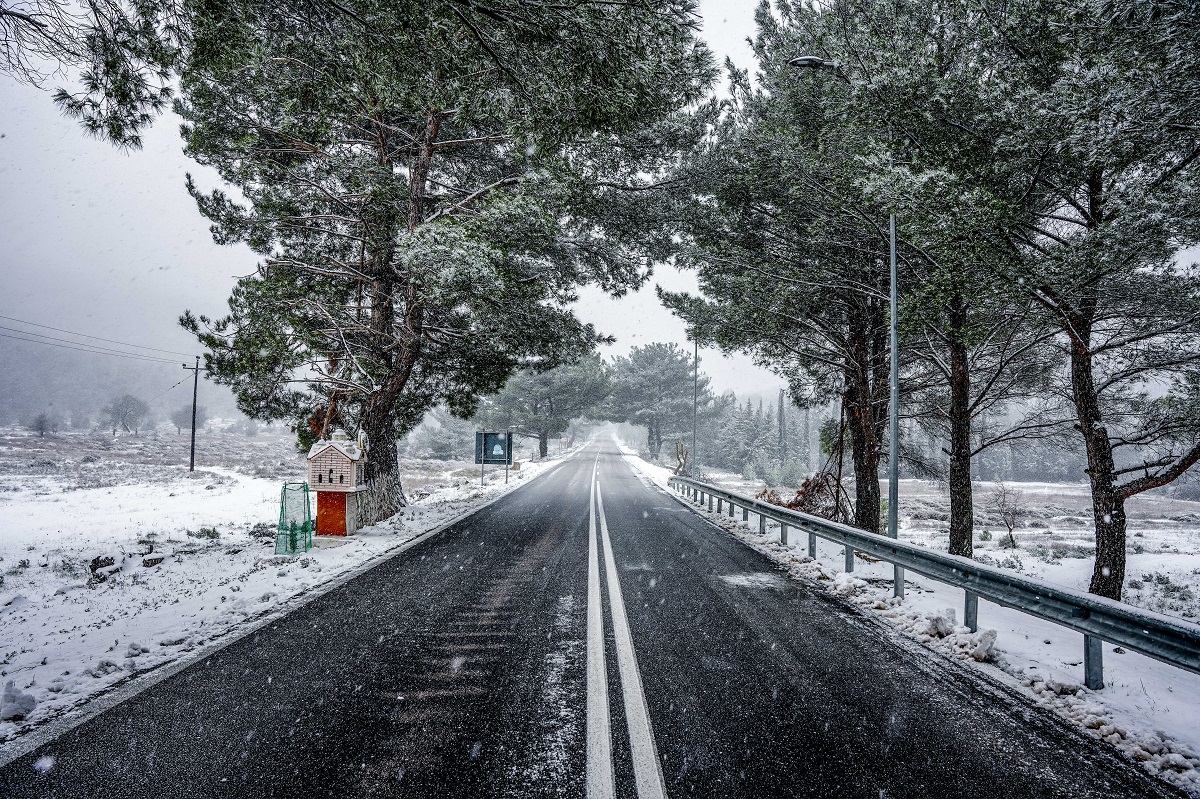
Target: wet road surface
[(586, 635)]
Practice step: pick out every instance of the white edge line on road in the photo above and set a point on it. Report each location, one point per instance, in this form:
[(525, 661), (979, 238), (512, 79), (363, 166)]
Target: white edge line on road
[(600, 783), (94, 707), (647, 768)]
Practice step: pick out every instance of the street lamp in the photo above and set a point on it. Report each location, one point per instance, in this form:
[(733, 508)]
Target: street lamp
[(818, 63), (695, 405), (814, 62)]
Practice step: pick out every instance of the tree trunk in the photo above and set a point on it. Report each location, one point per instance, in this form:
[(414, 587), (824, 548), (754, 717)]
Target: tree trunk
[(864, 451), (865, 456), (654, 439), (866, 384), (543, 443), (808, 448), (1108, 505), (383, 496), (961, 501)]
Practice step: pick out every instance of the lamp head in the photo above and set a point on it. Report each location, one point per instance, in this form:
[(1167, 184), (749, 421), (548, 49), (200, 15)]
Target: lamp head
[(812, 62)]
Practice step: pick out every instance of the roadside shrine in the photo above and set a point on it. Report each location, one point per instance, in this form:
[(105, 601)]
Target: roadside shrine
[(335, 473)]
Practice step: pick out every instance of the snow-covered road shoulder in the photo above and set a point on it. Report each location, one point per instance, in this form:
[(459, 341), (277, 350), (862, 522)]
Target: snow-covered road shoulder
[(193, 564)]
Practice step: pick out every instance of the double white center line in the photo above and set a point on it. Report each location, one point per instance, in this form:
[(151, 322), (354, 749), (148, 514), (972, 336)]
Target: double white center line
[(647, 770)]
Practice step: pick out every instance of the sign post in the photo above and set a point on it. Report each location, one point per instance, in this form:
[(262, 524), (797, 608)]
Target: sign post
[(493, 447)]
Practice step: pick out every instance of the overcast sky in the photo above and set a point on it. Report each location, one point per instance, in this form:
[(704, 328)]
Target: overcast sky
[(110, 243)]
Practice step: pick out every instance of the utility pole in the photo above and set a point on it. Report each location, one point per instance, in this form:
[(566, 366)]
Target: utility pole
[(894, 413), (195, 390), (695, 403)]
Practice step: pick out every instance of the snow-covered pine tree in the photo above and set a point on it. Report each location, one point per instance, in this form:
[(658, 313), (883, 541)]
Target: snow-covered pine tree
[(721, 448), (1069, 131), (789, 251), (653, 388), (543, 404), (121, 54), (420, 180), (1084, 117), (979, 345), (443, 436), (742, 436)]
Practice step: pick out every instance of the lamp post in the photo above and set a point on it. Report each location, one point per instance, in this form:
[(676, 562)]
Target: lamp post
[(893, 525), (695, 405)]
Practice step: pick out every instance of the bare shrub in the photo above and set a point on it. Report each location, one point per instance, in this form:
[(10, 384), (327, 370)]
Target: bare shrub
[(1009, 505)]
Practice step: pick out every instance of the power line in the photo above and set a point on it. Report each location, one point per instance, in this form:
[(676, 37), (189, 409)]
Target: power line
[(94, 351), (156, 396), (93, 347), (87, 335), (81, 343)]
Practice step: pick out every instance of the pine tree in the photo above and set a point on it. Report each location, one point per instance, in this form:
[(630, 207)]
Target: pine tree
[(422, 183), (653, 388), (543, 404), (125, 54), (780, 232), (1069, 123)]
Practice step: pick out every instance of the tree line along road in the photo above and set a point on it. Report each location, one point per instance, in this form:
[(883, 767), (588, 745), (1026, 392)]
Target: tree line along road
[(586, 635)]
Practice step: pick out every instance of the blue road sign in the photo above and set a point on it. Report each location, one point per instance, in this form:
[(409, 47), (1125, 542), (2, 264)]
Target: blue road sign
[(494, 447)]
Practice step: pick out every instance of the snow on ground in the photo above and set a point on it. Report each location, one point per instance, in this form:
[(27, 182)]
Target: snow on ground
[(65, 636), (1147, 709)]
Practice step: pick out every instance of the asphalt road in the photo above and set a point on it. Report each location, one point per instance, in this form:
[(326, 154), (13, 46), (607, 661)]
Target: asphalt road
[(585, 635)]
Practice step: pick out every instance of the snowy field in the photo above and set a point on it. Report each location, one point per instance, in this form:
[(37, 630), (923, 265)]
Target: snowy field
[(1147, 709), (192, 553)]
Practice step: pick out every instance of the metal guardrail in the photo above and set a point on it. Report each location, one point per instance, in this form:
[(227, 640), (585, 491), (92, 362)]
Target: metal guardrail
[(1100, 619)]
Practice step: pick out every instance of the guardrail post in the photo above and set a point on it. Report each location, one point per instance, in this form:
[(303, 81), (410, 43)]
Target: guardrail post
[(746, 514), (783, 534), (762, 524), (849, 559), (898, 581), (1093, 662), (720, 502), (812, 545), (971, 611), (710, 503), (732, 509)]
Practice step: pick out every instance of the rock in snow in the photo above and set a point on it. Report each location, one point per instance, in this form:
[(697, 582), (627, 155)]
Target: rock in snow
[(15, 704)]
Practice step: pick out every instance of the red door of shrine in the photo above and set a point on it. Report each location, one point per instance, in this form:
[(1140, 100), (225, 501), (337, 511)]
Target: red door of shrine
[(331, 513)]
